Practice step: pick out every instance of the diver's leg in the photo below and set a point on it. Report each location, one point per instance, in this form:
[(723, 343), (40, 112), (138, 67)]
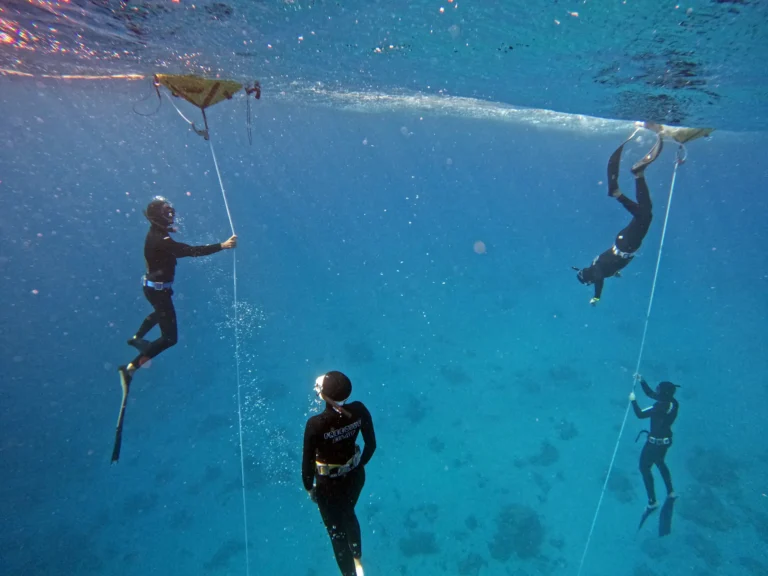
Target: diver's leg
[(149, 323), (331, 507), (163, 302), (351, 523), (646, 461), (643, 196), (631, 206), (664, 470), (632, 236), (137, 340)]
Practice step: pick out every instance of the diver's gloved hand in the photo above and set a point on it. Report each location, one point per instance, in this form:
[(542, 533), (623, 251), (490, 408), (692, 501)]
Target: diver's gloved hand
[(594, 301), (632, 397), (229, 244), (313, 495)]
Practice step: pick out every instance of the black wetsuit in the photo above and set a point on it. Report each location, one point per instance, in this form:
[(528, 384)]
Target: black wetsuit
[(160, 254), (628, 241), (662, 414), (330, 438)]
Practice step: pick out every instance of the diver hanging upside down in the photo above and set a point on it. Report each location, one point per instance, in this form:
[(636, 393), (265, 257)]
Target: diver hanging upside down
[(160, 253), (333, 469), (628, 241)]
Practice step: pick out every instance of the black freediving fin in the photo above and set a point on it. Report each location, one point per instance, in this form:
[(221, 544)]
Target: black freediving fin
[(613, 166), (648, 512), (125, 383), (646, 160), (665, 518), (613, 170)]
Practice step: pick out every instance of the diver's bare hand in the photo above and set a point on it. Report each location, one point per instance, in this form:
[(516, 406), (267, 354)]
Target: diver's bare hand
[(229, 244)]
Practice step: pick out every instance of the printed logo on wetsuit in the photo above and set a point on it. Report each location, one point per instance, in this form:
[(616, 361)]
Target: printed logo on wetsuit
[(343, 433)]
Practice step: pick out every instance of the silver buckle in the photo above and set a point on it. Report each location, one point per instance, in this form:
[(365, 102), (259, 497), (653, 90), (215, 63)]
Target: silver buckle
[(620, 254)]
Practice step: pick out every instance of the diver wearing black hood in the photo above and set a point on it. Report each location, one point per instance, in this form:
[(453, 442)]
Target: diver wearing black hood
[(628, 241), (333, 463), (662, 414), (160, 254)]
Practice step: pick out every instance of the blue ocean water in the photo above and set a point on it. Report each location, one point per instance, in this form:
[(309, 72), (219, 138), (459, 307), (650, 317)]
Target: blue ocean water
[(497, 391)]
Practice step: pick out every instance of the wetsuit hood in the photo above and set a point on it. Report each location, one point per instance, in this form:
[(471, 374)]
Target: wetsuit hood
[(160, 213), (584, 275), (666, 390), (335, 386)]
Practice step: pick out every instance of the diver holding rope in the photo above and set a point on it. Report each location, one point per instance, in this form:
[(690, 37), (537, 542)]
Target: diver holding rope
[(628, 240), (333, 469), (662, 414), (160, 254)]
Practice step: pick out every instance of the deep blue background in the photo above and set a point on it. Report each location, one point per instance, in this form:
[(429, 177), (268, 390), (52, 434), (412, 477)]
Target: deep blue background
[(491, 380)]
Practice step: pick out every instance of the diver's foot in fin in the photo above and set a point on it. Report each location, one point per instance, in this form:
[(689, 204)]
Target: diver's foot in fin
[(650, 509), (672, 495), (126, 376), (646, 161), (139, 343), (359, 567)]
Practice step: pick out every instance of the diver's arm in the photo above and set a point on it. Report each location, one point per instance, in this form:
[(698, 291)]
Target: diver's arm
[(369, 436), (648, 391), (181, 250), (642, 414), (598, 286), (308, 458)]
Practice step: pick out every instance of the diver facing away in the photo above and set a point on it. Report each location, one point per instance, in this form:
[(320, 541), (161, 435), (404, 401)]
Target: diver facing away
[(333, 469), (160, 254), (628, 240), (662, 414)]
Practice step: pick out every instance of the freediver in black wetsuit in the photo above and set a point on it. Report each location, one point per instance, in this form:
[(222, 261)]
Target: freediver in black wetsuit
[(332, 461), (160, 253), (662, 414), (628, 241)]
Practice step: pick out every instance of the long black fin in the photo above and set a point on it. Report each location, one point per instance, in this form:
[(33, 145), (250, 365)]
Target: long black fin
[(648, 512), (665, 518), (649, 158), (613, 170), (125, 383)]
